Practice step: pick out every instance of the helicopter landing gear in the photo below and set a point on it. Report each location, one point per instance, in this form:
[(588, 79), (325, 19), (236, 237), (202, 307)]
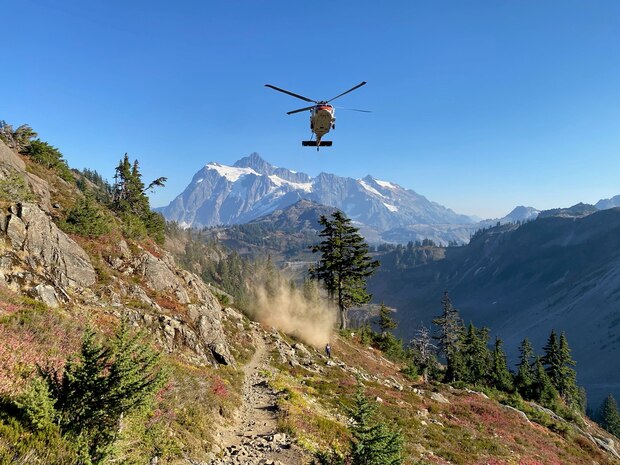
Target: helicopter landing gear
[(313, 143)]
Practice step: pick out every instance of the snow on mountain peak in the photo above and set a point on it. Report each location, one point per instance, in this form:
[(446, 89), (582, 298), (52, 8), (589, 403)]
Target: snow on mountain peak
[(278, 181), (232, 173), (369, 188), (386, 184), (391, 208)]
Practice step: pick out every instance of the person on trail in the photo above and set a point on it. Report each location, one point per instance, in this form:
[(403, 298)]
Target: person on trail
[(328, 350)]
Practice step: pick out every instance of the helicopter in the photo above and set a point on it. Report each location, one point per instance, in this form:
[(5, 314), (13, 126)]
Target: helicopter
[(322, 118)]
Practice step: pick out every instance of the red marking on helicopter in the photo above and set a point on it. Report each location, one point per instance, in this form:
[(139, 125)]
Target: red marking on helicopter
[(322, 115)]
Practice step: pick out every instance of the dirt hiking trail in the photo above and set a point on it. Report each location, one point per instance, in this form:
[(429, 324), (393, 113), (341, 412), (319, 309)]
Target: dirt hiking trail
[(253, 439)]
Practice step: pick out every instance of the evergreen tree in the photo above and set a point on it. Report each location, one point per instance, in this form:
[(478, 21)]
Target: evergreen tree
[(345, 263), (37, 405), (552, 359), (475, 357), (525, 373), (567, 386), (500, 376), (17, 139), (450, 328), (386, 322), (121, 191), (542, 390), (372, 442), (85, 218), (131, 202), (609, 416), (44, 154), (101, 387)]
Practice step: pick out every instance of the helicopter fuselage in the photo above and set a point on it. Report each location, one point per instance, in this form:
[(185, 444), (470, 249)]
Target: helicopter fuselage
[(322, 119)]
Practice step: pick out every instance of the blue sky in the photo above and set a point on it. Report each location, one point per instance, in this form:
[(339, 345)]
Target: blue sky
[(479, 105)]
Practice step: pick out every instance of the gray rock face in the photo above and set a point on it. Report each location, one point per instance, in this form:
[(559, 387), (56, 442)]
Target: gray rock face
[(10, 158), (202, 332), (161, 277), (46, 248), (200, 329)]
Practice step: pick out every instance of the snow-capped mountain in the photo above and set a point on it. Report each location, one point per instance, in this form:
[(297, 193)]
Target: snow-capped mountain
[(220, 194)]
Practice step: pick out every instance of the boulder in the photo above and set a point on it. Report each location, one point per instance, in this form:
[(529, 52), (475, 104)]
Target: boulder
[(207, 318), (438, 397), (46, 294), (47, 248), (160, 276)]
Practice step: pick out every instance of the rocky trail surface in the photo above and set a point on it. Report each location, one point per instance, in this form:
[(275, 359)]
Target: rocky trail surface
[(253, 439)]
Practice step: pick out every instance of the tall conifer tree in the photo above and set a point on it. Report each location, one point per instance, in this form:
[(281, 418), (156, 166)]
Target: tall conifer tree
[(552, 359), (475, 367), (501, 377), (609, 416), (567, 386), (525, 372), (386, 322), (543, 390), (345, 263), (450, 328)]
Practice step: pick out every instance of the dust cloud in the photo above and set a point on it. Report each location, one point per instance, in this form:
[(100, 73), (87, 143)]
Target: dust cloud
[(288, 309)]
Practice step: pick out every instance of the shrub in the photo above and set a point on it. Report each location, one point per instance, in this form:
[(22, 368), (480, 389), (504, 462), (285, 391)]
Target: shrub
[(37, 406), (97, 390), (45, 154), (86, 219), (133, 227), (13, 188)]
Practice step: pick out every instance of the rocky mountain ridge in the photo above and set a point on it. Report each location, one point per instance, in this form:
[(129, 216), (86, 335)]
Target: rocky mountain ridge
[(224, 195)]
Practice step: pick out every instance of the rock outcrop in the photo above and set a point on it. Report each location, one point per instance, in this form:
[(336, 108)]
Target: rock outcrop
[(48, 251), (10, 159), (38, 259), (198, 325)]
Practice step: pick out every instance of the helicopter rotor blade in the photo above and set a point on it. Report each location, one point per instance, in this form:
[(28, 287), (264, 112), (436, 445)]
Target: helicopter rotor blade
[(354, 109), (350, 90), (299, 110), (290, 93)]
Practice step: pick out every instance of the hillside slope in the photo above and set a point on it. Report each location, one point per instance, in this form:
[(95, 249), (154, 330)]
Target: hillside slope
[(555, 272), (222, 367)]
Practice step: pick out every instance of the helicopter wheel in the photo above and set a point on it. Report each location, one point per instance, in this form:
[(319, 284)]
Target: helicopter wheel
[(334, 126)]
